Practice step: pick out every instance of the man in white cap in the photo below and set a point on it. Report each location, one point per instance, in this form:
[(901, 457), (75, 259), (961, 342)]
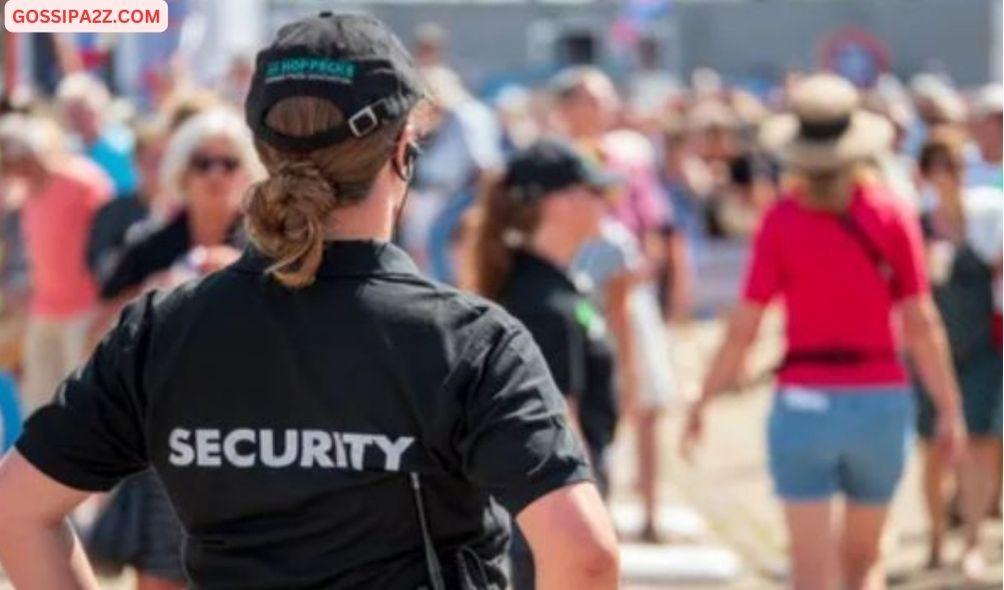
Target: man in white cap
[(986, 123)]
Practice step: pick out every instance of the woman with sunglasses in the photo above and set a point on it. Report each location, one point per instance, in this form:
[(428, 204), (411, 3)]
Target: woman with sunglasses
[(208, 165), (963, 233), (321, 414), (532, 223)]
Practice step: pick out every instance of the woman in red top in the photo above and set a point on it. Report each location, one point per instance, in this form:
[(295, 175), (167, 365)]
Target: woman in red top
[(842, 256)]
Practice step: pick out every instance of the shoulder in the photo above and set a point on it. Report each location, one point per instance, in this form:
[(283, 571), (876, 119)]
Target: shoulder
[(783, 211), (882, 202), (84, 173), (454, 310)]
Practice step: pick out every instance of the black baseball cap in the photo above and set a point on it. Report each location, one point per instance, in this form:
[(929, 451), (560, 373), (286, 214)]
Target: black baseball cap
[(352, 60), (550, 165)]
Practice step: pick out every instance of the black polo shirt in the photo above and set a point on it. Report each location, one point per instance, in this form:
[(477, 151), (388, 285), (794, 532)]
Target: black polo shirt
[(573, 337), (284, 423)]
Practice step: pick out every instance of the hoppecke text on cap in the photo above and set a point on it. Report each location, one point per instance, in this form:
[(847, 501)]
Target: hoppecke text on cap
[(310, 68)]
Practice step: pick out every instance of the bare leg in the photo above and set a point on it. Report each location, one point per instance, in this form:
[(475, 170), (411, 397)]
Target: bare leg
[(976, 486), (812, 545), (148, 582), (648, 471), (860, 548), (936, 494), (995, 497)]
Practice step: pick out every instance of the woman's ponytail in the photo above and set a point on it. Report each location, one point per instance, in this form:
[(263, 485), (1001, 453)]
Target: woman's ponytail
[(502, 225), (286, 215)]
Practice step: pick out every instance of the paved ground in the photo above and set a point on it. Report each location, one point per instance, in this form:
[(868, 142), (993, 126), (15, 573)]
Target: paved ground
[(723, 504)]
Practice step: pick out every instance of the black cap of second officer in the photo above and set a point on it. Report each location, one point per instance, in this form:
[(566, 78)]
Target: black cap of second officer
[(550, 165)]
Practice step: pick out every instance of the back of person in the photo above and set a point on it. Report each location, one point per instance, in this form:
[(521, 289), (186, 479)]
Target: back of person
[(838, 285), (265, 434)]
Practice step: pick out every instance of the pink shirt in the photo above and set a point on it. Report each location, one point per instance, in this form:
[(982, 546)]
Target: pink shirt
[(643, 206), (56, 222), (838, 290)]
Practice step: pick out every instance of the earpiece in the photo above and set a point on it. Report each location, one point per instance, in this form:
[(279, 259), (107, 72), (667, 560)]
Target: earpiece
[(405, 168)]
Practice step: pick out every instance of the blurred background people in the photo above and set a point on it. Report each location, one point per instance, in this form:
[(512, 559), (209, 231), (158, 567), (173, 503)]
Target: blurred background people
[(110, 230), (987, 130), (964, 230), (208, 164), (85, 104), (636, 252), (63, 192), (842, 419), (462, 143)]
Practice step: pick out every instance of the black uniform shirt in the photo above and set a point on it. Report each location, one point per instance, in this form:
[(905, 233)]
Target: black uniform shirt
[(573, 337), (283, 422)]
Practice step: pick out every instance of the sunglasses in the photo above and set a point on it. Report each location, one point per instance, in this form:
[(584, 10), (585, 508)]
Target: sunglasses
[(203, 164)]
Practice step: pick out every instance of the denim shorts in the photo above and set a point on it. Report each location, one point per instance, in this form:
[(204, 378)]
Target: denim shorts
[(852, 440)]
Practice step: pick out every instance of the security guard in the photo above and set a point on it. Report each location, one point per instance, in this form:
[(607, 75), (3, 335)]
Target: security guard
[(321, 415), (533, 222)]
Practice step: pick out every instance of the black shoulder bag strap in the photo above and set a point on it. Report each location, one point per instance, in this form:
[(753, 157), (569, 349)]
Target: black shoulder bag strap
[(431, 558), (882, 264)]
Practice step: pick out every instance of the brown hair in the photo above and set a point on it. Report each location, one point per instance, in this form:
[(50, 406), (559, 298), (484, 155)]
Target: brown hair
[(499, 224), (831, 186), (286, 214), (943, 142)]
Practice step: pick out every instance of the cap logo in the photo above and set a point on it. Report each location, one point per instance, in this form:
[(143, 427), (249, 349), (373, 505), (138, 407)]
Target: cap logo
[(310, 68)]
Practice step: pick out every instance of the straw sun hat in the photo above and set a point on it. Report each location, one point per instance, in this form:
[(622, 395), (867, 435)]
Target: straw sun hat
[(825, 128)]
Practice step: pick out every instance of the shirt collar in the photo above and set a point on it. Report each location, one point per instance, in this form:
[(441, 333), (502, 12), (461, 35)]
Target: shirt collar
[(530, 263), (344, 258)]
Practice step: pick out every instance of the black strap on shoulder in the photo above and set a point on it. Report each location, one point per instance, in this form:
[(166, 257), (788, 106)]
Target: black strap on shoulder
[(875, 253), (431, 558)]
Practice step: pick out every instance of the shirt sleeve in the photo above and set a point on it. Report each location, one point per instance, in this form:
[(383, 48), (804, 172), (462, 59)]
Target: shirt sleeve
[(91, 435), (516, 442), (763, 275), (907, 257), (563, 347)]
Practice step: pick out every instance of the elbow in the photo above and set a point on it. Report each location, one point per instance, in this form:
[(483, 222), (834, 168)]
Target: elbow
[(599, 561), (921, 326)]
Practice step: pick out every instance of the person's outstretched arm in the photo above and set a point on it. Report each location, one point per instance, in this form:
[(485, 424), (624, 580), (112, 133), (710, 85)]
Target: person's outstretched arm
[(572, 540), (38, 549)]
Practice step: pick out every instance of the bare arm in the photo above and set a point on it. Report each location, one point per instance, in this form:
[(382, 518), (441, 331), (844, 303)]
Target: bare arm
[(38, 549), (679, 295), (927, 344), (616, 312), (726, 366), (572, 540)]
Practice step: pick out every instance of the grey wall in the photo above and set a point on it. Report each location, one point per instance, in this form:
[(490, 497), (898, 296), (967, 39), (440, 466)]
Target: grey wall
[(739, 39)]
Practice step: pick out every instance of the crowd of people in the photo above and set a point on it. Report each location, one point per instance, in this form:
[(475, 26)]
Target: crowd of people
[(585, 208)]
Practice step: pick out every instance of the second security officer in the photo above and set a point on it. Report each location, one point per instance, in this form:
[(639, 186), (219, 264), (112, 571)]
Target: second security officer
[(533, 221), (321, 415)]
